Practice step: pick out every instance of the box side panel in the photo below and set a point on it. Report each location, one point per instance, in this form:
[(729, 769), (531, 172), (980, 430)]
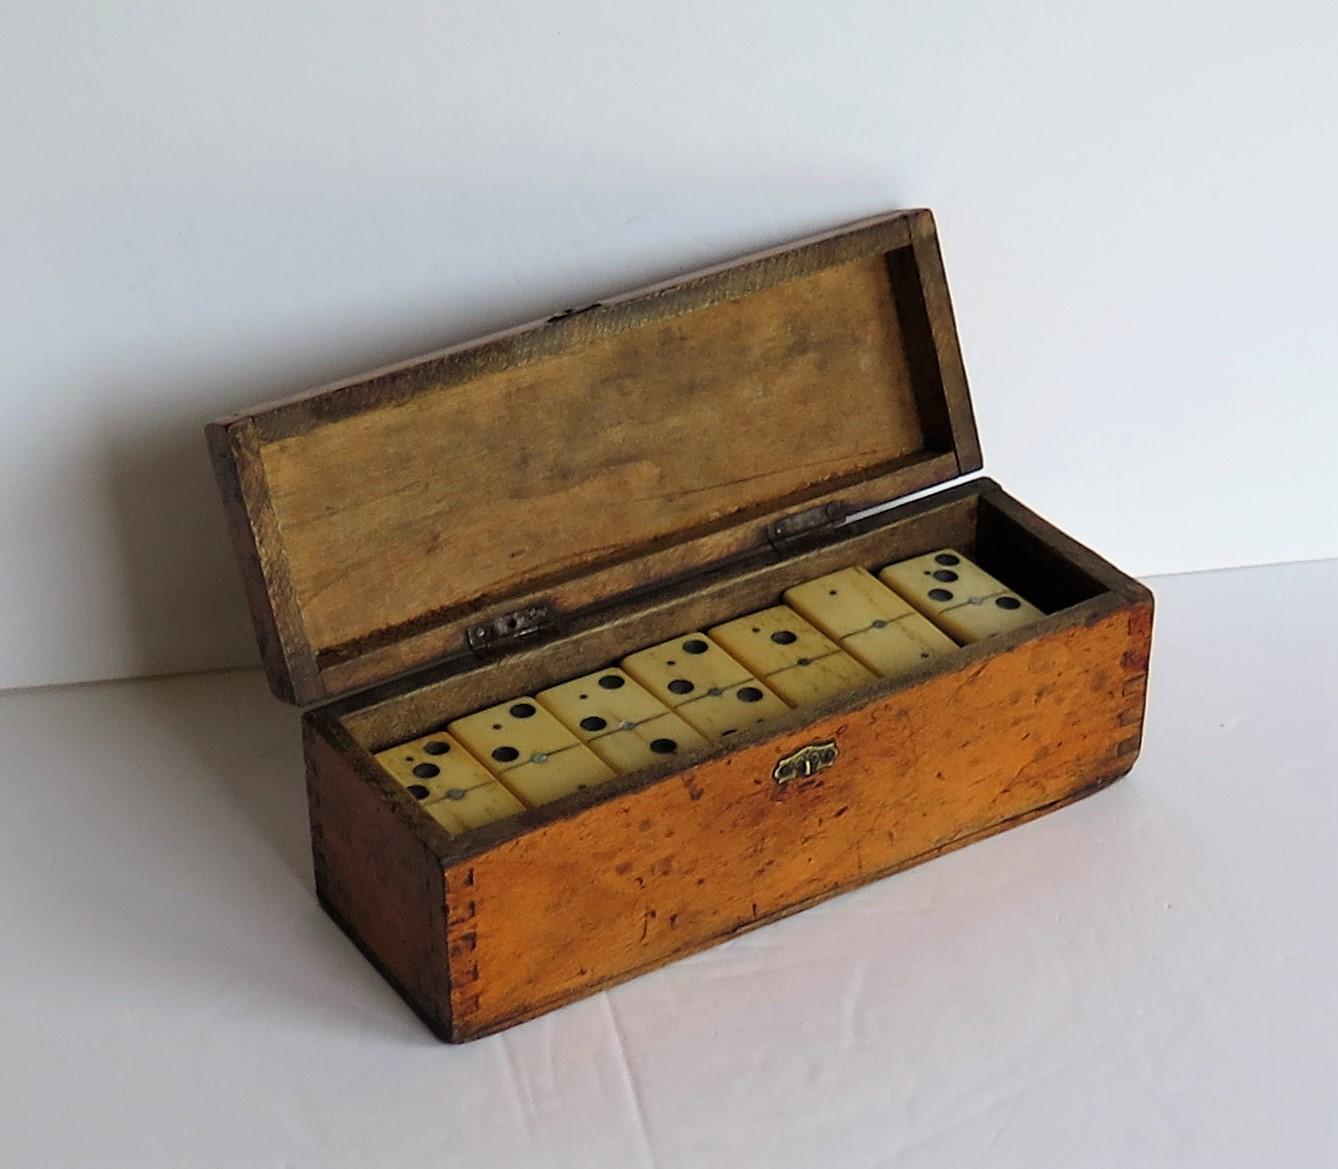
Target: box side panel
[(634, 882), (375, 877)]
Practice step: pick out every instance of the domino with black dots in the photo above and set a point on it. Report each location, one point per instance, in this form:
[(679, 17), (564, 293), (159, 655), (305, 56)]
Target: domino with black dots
[(530, 751), (958, 596), (452, 786), (620, 720), (704, 686), (796, 660), (869, 621)]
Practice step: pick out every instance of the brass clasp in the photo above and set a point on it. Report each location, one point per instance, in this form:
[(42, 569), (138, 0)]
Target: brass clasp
[(805, 762)]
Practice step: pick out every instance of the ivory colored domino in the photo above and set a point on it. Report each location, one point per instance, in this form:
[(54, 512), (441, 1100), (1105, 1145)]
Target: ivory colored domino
[(530, 751), (704, 686), (874, 625), (960, 597), (799, 662), (620, 720), (453, 787)]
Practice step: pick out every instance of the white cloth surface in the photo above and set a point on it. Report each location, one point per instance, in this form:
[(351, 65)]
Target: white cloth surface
[(1147, 978)]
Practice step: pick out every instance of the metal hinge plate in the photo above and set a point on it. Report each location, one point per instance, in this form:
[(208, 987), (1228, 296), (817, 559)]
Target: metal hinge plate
[(791, 533), (510, 631)]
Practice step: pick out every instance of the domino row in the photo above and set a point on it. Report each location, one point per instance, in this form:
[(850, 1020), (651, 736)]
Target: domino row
[(830, 636)]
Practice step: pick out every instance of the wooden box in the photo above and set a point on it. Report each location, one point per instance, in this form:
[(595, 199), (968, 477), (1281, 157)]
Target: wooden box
[(501, 516)]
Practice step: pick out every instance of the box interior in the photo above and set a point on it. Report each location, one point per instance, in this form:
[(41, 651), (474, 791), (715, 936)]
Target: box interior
[(1016, 553)]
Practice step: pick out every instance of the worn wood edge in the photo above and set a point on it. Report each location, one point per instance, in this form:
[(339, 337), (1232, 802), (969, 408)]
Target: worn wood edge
[(947, 345), (547, 337), (1136, 662), (465, 1034), (290, 667)]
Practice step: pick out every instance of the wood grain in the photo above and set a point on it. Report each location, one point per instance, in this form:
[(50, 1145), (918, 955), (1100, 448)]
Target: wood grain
[(632, 883), (564, 464), (578, 458), (285, 648)]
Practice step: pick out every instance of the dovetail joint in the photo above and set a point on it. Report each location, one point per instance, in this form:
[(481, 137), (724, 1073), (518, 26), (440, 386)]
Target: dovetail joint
[(1134, 684)]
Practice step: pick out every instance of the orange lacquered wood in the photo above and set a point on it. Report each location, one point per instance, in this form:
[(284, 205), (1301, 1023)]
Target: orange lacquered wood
[(634, 882)]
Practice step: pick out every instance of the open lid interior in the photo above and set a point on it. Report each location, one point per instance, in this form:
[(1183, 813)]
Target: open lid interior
[(567, 462)]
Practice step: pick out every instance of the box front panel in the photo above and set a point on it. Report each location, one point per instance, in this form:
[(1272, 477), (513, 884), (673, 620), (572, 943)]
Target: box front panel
[(629, 884)]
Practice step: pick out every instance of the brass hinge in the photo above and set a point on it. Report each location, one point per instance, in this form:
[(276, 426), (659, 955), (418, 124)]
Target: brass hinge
[(793, 533), (510, 631)]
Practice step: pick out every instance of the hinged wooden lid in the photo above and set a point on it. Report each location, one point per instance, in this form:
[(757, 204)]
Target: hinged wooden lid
[(561, 464)]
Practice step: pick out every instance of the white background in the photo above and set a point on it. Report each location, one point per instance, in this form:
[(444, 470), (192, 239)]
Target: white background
[(201, 208)]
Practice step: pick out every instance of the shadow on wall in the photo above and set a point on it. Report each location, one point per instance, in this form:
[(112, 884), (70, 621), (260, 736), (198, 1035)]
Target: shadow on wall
[(182, 593)]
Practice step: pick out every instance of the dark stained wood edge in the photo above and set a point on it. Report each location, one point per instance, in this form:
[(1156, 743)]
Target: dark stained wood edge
[(290, 667), (943, 327), (463, 1033)]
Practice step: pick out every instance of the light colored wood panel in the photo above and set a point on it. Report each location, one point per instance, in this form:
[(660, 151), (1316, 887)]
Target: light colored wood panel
[(535, 471)]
